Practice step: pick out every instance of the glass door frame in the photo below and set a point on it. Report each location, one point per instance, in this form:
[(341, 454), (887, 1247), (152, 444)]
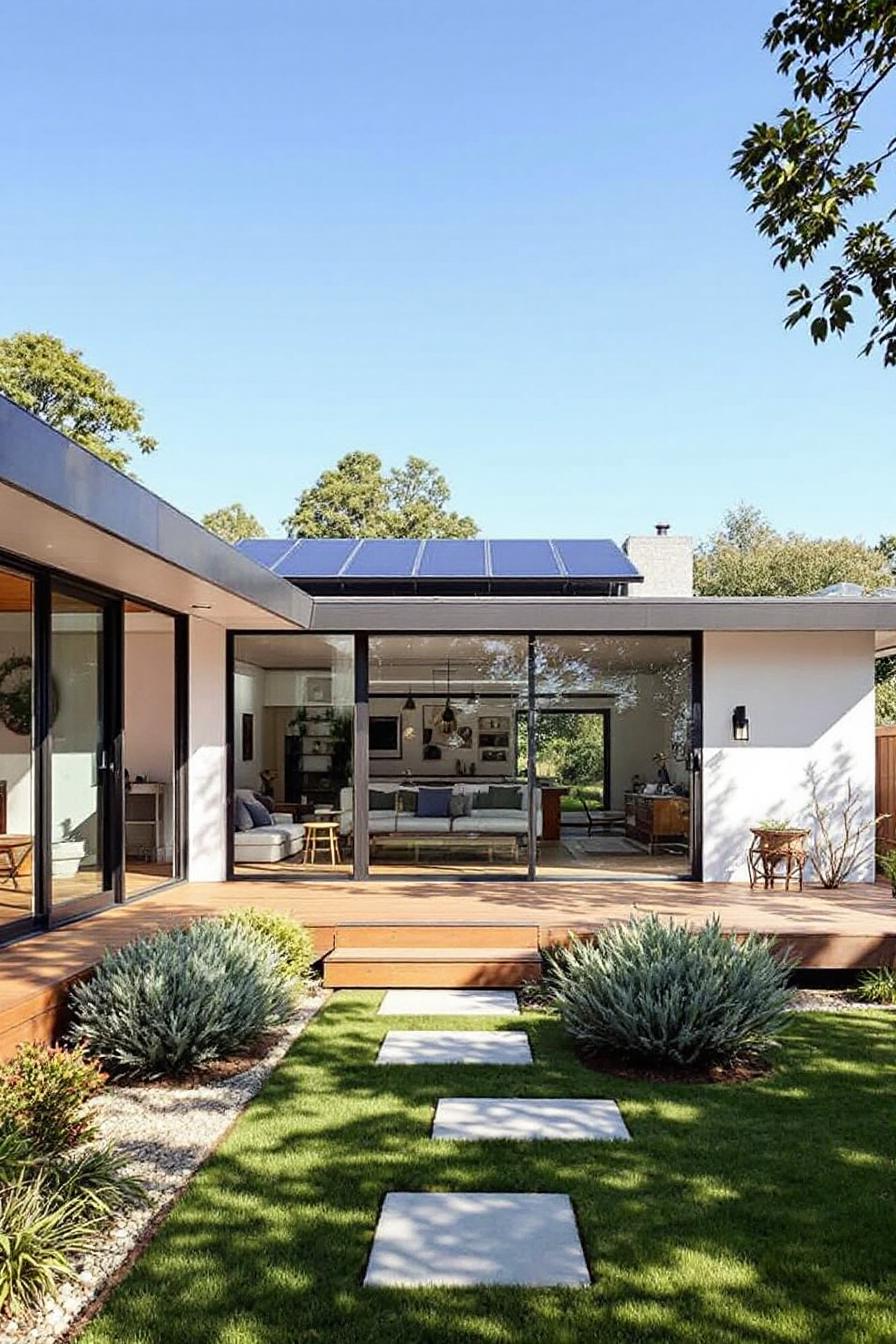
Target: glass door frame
[(110, 786)]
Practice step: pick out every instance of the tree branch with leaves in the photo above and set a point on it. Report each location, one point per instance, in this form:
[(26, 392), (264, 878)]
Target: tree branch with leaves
[(807, 176)]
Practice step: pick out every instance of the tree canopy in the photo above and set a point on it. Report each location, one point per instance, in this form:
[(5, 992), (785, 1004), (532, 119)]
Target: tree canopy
[(747, 557), (54, 382), (233, 523), (357, 498), (810, 171)]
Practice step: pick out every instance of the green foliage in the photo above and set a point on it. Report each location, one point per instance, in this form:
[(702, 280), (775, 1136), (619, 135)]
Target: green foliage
[(746, 557), (233, 523), (357, 499), (568, 747), (163, 1005), (774, 824), (805, 185), (46, 377), (878, 985), (886, 862), (885, 697), (43, 1095), (670, 994), (289, 939), (50, 1211)]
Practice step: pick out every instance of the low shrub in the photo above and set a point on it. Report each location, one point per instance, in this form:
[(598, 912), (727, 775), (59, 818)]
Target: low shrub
[(43, 1096), (670, 994), (52, 1210), (290, 940), (878, 985), (165, 1004)]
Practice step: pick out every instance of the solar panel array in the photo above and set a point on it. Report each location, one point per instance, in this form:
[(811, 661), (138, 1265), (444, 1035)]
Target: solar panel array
[(431, 560)]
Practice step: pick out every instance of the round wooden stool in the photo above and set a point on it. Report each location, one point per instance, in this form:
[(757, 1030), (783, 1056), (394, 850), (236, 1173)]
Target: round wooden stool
[(321, 839)]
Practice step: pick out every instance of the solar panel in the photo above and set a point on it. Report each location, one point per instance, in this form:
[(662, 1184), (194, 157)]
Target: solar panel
[(266, 551), (318, 558), (585, 559), (383, 559), (523, 559), (452, 559)]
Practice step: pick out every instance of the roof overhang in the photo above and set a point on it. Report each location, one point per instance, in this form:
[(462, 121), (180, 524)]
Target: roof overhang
[(578, 615), (62, 507)]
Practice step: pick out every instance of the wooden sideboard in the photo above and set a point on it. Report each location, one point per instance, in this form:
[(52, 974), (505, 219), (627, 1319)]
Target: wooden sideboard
[(656, 818)]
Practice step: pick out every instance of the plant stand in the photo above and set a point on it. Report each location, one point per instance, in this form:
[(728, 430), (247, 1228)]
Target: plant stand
[(774, 850)]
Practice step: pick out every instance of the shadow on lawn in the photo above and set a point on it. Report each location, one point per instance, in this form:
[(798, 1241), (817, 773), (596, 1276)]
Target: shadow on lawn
[(752, 1212)]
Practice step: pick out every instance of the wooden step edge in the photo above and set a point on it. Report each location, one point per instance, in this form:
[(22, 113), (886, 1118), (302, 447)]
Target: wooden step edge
[(441, 954)]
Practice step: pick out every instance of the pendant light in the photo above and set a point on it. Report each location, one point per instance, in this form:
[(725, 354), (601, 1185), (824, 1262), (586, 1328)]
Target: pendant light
[(449, 718), (410, 703)]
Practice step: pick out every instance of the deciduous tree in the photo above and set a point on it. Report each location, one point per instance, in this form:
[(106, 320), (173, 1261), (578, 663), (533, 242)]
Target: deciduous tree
[(233, 523), (356, 498), (54, 382), (812, 171)]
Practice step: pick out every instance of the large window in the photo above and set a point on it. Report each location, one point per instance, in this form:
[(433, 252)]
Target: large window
[(446, 795), (613, 737), (293, 707), (16, 750)]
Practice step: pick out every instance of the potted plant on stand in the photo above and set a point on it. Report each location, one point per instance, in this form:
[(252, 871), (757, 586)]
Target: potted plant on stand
[(777, 842)]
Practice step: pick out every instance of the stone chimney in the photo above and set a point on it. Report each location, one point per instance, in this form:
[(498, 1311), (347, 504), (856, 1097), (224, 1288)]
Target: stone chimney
[(666, 561)]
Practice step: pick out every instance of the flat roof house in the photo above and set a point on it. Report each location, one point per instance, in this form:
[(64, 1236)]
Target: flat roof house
[(434, 718)]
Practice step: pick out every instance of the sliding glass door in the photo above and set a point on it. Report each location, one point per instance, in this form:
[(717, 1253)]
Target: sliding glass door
[(83, 730)]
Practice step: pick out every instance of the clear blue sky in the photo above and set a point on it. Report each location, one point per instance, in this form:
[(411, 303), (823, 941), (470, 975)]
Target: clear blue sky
[(497, 233)]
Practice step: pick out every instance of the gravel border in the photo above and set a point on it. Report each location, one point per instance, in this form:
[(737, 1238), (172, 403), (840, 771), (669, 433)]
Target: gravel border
[(166, 1133), (834, 1001)]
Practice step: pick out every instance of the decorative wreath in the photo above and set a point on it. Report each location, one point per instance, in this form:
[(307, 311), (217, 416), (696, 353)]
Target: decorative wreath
[(15, 695)]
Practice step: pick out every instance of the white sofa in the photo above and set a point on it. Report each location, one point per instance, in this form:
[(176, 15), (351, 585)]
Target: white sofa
[(283, 839), (481, 821)]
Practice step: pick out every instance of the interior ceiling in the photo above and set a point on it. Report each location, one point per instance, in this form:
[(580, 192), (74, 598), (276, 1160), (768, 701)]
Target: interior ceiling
[(402, 660)]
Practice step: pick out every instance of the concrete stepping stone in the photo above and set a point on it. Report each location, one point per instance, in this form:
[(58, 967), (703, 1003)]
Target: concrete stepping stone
[(461, 1239), (449, 1003), (455, 1047), (527, 1118)]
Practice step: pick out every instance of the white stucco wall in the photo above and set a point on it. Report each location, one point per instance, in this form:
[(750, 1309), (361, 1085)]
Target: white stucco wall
[(208, 753), (810, 701)]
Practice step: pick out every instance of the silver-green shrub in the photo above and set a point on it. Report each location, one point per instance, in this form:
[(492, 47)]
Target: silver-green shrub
[(668, 993), (163, 1005)]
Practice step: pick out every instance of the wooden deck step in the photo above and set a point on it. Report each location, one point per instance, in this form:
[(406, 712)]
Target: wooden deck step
[(444, 935), (489, 967)]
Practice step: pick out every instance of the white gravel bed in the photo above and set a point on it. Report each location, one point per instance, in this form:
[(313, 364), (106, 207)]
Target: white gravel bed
[(833, 1001), (166, 1134)]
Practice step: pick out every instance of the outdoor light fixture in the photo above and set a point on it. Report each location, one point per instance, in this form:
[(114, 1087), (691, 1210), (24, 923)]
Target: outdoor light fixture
[(740, 724), (410, 703)]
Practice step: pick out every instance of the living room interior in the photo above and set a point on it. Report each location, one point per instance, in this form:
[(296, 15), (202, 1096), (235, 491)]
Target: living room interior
[(448, 746)]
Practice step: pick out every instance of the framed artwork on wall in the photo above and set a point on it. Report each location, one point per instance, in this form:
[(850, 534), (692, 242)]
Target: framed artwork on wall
[(248, 735), (385, 737)]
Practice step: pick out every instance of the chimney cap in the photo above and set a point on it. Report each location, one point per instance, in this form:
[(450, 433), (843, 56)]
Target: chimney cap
[(662, 529)]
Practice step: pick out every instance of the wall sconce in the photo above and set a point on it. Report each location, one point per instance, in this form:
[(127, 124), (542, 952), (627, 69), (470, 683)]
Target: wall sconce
[(740, 724)]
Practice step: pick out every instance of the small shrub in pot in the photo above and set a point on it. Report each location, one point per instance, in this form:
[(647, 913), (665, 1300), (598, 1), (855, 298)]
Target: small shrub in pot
[(168, 1003), (669, 994)]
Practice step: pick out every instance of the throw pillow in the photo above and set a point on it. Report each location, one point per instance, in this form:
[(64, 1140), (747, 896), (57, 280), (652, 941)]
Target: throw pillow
[(407, 800), (461, 805), (505, 797), (258, 812), (242, 819), (434, 802), (381, 800)]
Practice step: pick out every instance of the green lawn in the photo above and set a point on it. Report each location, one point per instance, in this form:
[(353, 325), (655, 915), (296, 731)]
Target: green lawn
[(759, 1212)]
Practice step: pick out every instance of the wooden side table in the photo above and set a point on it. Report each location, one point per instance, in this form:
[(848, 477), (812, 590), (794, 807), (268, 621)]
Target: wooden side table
[(321, 838), (15, 854)]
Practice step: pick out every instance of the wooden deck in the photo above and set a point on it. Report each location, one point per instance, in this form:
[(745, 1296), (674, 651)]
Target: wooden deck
[(844, 929)]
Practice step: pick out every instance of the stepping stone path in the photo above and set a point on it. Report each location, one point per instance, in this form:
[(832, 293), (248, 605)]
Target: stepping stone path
[(449, 1003), (457, 1240), (455, 1047), (527, 1118), (462, 1239)]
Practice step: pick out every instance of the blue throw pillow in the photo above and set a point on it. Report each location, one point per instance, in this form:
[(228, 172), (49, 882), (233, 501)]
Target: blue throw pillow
[(434, 802), (242, 819), (258, 812)]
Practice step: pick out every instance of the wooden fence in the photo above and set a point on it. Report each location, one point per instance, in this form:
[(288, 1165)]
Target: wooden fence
[(885, 782)]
